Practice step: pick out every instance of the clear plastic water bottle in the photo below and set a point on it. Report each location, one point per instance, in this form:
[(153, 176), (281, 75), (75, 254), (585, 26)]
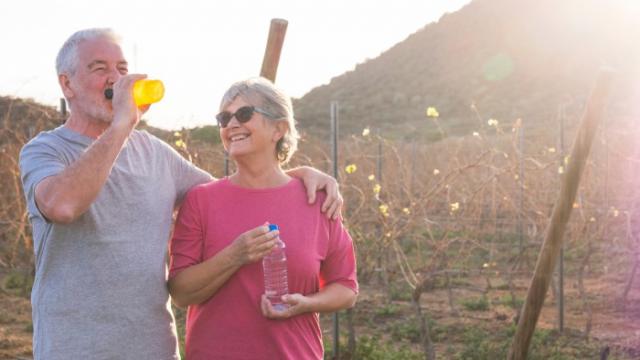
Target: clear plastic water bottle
[(275, 274)]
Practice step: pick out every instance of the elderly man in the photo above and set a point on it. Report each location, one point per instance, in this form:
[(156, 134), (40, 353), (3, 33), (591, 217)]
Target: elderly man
[(100, 198)]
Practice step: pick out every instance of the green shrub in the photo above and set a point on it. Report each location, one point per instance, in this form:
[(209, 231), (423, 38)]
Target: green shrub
[(507, 300), (372, 348), (480, 304)]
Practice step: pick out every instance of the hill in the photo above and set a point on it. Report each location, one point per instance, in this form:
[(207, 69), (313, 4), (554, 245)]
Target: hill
[(501, 59)]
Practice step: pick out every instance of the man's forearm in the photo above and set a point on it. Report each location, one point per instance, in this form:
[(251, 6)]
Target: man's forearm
[(298, 172), (67, 195)]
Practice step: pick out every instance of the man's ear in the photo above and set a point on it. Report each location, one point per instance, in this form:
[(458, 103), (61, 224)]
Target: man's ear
[(281, 129), (65, 85)]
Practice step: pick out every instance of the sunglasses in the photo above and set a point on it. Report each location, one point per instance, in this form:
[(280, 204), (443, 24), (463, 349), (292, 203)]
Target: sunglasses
[(243, 115)]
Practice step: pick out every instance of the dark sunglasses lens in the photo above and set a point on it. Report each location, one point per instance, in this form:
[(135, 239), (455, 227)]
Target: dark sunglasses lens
[(224, 118), (244, 114)]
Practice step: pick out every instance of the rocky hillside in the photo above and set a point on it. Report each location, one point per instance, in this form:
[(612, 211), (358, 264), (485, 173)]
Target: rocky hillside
[(502, 59)]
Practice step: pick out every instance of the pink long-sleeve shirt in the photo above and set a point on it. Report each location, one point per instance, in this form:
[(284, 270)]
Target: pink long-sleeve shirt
[(230, 325)]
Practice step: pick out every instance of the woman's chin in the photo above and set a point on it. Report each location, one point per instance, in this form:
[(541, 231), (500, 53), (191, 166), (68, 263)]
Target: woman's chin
[(236, 153)]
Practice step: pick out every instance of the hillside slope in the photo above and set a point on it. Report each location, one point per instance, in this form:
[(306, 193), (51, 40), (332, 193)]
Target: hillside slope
[(510, 59)]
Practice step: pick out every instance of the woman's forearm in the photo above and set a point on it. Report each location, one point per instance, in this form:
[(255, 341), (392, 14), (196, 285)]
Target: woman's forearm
[(332, 297), (199, 282)]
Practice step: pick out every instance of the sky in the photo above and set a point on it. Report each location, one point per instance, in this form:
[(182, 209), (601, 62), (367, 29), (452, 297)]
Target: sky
[(199, 48)]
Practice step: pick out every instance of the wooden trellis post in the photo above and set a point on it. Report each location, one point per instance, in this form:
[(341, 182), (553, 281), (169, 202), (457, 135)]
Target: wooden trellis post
[(559, 218), (271, 58)]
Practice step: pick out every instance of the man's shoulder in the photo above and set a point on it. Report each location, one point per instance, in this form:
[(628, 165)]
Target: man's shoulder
[(147, 140), (144, 136), (49, 141), (44, 137)]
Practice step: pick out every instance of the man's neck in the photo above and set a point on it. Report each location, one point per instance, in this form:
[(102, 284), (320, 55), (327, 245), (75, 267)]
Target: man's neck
[(85, 126)]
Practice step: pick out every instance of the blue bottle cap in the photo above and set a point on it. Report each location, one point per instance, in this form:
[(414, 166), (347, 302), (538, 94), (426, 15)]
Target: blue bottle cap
[(273, 227)]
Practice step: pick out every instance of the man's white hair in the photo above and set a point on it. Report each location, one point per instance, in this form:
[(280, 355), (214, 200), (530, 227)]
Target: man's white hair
[(67, 59)]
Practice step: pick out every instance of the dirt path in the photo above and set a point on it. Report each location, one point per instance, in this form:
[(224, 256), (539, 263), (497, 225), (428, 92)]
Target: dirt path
[(15, 327), (614, 324)]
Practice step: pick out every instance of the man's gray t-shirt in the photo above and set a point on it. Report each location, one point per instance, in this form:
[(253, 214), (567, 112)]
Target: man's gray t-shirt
[(100, 288)]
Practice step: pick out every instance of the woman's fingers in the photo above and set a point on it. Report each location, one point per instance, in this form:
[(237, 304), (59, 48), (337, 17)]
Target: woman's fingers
[(257, 242), (264, 305)]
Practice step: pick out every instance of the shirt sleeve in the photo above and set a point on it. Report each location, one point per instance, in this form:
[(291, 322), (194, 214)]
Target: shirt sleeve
[(38, 160), (187, 242), (339, 266), (185, 174)]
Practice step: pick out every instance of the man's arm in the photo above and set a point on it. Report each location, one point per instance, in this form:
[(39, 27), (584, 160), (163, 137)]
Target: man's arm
[(65, 196), (315, 180), (62, 198)]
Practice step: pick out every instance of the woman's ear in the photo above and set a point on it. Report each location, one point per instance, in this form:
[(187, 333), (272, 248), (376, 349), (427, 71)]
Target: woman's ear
[(281, 129)]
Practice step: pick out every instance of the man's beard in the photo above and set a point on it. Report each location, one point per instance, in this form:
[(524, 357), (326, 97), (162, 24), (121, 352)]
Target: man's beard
[(97, 111)]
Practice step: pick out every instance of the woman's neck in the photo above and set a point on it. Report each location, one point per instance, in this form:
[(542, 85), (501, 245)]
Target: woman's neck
[(259, 175)]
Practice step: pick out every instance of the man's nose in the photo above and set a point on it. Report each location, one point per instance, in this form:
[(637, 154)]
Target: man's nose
[(113, 76)]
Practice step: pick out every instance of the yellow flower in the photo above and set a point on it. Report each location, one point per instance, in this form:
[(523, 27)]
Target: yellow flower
[(179, 143), (561, 170), (454, 206), (551, 149), (476, 134), (365, 132), (493, 122), (177, 134), (436, 171), (384, 209), (432, 112), (406, 211), (376, 189), (388, 234), (371, 177), (351, 168)]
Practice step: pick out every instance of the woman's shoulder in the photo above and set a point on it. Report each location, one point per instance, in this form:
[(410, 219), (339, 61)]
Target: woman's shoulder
[(209, 188), (298, 187)]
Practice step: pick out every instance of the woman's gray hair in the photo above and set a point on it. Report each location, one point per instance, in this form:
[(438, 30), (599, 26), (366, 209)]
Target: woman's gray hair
[(262, 93), (67, 59)]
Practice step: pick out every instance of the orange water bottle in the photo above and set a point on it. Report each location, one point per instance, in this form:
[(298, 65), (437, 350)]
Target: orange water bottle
[(147, 91)]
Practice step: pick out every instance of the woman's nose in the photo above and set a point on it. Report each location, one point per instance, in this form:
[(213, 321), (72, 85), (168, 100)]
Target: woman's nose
[(233, 122)]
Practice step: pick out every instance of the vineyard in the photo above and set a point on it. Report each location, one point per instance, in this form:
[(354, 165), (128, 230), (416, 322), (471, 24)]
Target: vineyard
[(447, 234)]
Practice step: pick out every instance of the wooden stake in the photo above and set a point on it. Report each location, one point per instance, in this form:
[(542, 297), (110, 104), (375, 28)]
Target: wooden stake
[(277, 30), (559, 218)]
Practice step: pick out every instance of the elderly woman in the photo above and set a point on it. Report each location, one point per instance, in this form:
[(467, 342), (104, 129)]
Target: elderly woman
[(222, 233)]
